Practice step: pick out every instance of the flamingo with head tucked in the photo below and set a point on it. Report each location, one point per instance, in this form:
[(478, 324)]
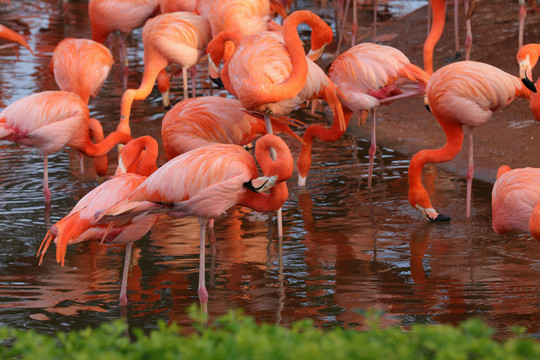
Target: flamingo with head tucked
[(50, 121), (206, 182), (79, 224)]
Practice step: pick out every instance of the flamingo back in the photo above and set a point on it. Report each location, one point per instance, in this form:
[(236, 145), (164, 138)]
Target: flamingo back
[(514, 196), (469, 92), (81, 66), (197, 122), (48, 120), (180, 37)]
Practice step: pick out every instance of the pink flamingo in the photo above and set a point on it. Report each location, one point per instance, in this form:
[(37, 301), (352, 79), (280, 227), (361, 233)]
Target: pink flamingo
[(10, 35), (110, 16), (81, 66), (179, 38), (206, 182), (193, 123), (515, 201), (50, 121), (79, 224), (368, 75), (284, 78), (463, 93)]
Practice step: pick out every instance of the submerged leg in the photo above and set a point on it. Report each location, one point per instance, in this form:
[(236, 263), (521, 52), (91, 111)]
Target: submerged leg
[(203, 293), (125, 274), (373, 147), (470, 173), (46, 191)]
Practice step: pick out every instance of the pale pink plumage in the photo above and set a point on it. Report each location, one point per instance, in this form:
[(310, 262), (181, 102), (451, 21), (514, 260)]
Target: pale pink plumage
[(368, 73), (206, 182), (81, 66), (50, 121), (515, 196)]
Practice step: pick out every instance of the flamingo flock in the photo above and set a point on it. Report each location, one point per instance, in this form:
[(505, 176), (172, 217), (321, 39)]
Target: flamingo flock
[(260, 60)]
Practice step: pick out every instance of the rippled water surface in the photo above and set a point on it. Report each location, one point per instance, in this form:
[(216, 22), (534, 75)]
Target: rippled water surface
[(345, 249)]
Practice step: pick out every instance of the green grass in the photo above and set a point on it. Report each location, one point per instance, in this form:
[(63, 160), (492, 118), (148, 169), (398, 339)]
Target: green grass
[(238, 337)]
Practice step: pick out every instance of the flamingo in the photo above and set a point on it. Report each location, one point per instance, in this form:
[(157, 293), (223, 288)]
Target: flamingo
[(123, 16), (79, 225), (284, 78), (10, 35), (81, 66), (206, 182), (515, 201), (368, 75), (193, 123), (527, 57), (461, 94), (51, 120), (180, 38)]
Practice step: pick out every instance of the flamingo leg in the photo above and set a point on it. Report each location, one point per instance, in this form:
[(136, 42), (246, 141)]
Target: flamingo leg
[(193, 70), (470, 173), (125, 274), (273, 155), (203, 293), (354, 26), (123, 59), (375, 9), (81, 160), (184, 80), (522, 15), (456, 24), (46, 191), (372, 147)]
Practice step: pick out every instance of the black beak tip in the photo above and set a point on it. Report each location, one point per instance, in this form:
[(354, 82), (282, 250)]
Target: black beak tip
[(427, 107), (441, 218), (218, 82), (529, 84)]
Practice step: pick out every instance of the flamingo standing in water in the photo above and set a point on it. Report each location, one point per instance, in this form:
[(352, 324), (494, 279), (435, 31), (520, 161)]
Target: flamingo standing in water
[(79, 224), (461, 94), (283, 79), (123, 16), (50, 121), (515, 201), (368, 75), (206, 182), (10, 35), (179, 38)]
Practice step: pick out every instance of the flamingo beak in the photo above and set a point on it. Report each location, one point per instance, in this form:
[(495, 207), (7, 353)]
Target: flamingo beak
[(525, 73), (426, 103), (431, 215), (267, 182)]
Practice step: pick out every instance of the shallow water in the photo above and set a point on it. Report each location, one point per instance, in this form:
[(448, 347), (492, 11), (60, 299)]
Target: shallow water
[(345, 249)]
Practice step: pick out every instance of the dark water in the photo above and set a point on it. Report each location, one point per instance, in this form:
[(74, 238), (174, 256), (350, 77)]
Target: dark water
[(345, 249)]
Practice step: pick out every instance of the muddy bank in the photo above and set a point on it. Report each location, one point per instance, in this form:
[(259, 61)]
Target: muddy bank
[(510, 137)]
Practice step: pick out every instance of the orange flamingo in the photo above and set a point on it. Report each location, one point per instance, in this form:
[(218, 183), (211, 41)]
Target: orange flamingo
[(527, 57), (179, 38), (284, 78), (10, 35), (50, 121), (193, 123), (515, 201), (110, 16), (81, 66), (368, 75), (206, 182), (79, 225), (463, 93)]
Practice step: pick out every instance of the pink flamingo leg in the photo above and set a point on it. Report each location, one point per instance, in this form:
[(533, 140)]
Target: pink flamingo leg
[(372, 148), (125, 274), (470, 173), (193, 70), (203, 293), (123, 59), (522, 15), (184, 80), (375, 9), (354, 27), (81, 160), (468, 38), (456, 24), (46, 191)]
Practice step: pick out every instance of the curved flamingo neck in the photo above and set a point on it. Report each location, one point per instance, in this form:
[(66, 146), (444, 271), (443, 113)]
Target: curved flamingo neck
[(263, 202), (454, 141), (534, 222), (291, 87), (216, 51), (320, 132), (103, 147), (439, 12), (139, 156), (96, 134)]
